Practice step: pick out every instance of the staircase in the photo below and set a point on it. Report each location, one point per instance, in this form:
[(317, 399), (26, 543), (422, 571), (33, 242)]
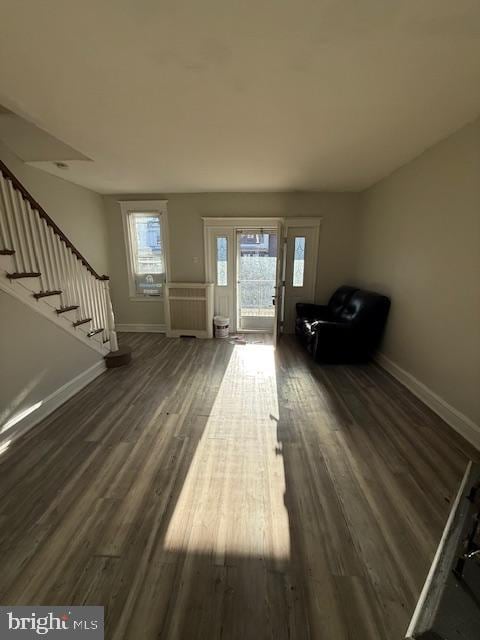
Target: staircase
[(40, 266)]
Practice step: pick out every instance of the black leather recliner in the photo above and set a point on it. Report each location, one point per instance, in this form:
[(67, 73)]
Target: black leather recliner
[(347, 329)]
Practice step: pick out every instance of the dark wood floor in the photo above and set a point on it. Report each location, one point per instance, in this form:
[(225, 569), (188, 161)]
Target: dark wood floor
[(213, 490)]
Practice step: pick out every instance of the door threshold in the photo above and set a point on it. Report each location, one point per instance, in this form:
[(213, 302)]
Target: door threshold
[(254, 331)]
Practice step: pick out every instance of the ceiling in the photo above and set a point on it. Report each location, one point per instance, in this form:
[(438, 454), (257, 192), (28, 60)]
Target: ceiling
[(223, 95)]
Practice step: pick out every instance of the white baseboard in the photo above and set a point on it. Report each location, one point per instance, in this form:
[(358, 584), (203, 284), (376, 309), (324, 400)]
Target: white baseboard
[(28, 418), (141, 328), (456, 419)]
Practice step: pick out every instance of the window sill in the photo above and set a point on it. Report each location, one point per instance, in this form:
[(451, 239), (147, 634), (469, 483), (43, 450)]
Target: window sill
[(146, 298)]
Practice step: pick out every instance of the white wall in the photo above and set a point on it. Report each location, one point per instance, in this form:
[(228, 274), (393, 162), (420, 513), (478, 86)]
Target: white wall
[(38, 358), (77, 211), (337, 238), (420, 243)]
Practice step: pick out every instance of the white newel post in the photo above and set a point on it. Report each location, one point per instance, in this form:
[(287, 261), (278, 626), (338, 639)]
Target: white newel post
[(110, 318)]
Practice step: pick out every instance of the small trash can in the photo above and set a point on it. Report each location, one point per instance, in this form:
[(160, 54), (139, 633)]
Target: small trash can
[(221, 325)]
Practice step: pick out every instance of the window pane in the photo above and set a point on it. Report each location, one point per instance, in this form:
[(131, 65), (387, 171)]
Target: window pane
[(257, 274), (148, 256), (222, 255), (298, 261)]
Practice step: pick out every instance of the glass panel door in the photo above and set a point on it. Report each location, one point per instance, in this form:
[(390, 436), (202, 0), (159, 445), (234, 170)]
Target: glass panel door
[(256, 279)]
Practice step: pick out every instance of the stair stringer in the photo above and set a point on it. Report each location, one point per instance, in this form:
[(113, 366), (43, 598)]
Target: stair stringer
[(24, 289)]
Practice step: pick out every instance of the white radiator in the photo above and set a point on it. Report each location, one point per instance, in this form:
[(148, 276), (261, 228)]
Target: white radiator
[(189, 309)]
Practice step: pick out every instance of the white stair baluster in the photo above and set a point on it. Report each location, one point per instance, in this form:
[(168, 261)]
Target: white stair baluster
[(33, 220), (96, 307), (83, 289), (48, 256), (5, 239), (91, 303), (11, 219), (78, 292), (103, 296), (19, 225), (70, 258), (67, 283), (24, 215), (110, 319), (101, 305), (9, 223), (42, 239), (51, 257), (86, 305), (58, 268)]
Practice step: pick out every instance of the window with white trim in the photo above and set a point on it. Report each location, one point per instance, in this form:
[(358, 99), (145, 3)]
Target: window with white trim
[(146, 245)]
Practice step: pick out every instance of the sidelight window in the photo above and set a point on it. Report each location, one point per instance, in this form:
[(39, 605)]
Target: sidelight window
[(299, 261), (222, 261)]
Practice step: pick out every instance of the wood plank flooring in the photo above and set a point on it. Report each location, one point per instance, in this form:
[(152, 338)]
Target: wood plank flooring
[(213, 491)]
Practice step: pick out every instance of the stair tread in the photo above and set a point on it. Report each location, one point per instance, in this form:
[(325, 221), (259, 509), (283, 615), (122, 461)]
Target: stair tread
[(94, 332), (83, 321), (26, 274), (72, 307), (45, 294), (7, 252)]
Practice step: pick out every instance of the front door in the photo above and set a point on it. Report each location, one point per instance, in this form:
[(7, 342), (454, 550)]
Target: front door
[(301, 266), (256, 279)]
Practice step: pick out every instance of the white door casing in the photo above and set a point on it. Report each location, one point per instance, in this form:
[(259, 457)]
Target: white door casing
[(225, 302), (287, 296)]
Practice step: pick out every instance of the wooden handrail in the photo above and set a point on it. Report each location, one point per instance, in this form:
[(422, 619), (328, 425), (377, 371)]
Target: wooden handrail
[(43, 214)]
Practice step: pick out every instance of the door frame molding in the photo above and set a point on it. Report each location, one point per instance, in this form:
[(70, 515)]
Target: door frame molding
[(232, 224), (262, 222), (235, 223)]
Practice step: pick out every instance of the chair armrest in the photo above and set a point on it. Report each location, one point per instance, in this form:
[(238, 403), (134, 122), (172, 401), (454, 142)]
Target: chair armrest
[(331, 327), (333, 340)]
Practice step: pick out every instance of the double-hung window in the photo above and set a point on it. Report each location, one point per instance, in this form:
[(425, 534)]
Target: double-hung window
[(145, 227)]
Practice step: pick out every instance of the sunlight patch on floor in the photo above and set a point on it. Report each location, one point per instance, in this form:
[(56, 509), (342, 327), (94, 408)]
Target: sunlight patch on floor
[(232, 501)]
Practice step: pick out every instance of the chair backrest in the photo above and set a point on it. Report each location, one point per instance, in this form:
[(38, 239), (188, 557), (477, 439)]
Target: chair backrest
[(366, 309), (340, 299)]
